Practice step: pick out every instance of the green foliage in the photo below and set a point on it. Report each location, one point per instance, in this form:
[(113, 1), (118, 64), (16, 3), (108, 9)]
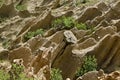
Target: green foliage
[(16, 73), (81, 26), (63, 23), (56, 74), (67, 23), (90, 64), (6, 44), (31, 34), (4, 75), (1, 2), (21, 7)]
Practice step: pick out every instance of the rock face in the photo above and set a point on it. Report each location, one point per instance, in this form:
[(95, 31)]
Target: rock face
[(64, 49), (100, 75)]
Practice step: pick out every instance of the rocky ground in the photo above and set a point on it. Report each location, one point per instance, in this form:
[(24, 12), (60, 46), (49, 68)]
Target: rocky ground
[(63, 49)]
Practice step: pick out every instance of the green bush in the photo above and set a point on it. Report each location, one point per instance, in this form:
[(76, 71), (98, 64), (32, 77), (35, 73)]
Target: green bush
[(4, 75), (63, 23), (67, 23), (16, 73), (56, 74), (31, 34), (90, 64)]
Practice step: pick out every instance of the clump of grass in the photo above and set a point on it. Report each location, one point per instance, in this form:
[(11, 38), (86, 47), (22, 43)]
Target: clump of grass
[(67, 23), (63, 23), (90, 64), (56, 74), (21, 7), (80, 26), (31, 34)]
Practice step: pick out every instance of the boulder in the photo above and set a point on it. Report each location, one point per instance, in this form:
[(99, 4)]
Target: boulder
[(70, 38)]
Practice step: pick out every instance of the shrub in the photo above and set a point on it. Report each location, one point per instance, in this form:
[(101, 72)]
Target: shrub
[(90, 64), (67, 23), (63, 23), (31, 34), (56, 74), (16, 73)]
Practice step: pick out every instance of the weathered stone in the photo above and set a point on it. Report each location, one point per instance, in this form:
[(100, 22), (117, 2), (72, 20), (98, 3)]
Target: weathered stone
[(116, 7), (92, 75), (70, 37), (21, 52), (8, 10), (79, 33), (117, 24), (102, 6), (89, 14), (102, 31), (72, 58)]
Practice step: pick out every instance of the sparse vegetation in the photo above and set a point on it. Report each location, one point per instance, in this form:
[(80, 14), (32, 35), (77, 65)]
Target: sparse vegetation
[(21, 7), (63, 23), (80, 26), (6, 44), (31, 34), (67, 23), (1, 2), (56, 74), (16, 73), (90, 64), (4, 75)]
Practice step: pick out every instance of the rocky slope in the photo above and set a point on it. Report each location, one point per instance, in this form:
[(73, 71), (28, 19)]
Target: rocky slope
[(63, 49)]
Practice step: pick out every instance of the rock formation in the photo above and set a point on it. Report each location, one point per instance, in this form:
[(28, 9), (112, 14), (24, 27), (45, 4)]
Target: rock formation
[(64, 49)]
